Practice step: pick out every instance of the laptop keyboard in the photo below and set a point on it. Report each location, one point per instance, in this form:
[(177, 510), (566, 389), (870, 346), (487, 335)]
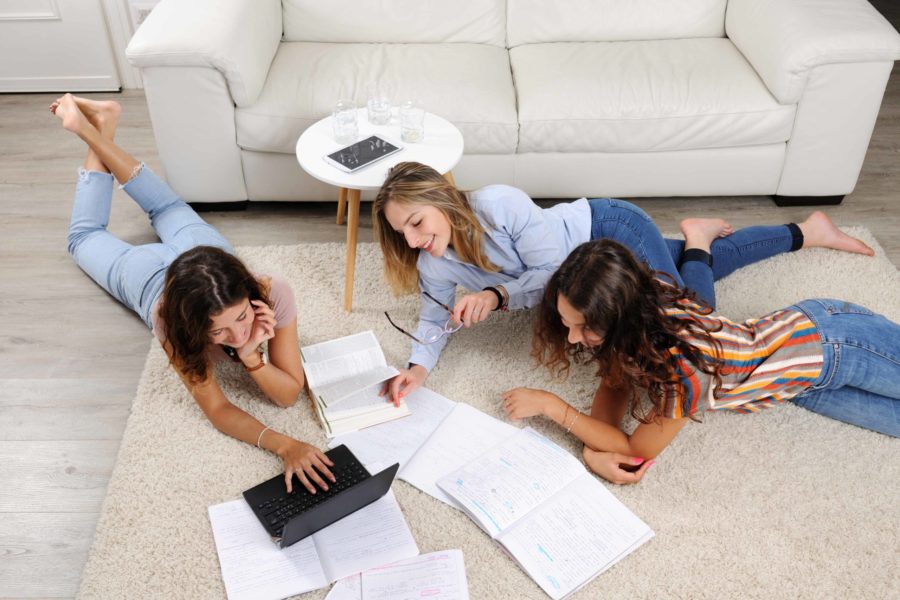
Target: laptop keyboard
[(279, 510)]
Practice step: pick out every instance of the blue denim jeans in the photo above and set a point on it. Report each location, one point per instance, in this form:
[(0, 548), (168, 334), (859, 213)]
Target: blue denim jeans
[(629, 225), (860, 379), (134, 275)]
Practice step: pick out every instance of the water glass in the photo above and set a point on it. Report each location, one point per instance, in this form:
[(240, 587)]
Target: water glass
[(378, 106), (412, 122), (344, 122)]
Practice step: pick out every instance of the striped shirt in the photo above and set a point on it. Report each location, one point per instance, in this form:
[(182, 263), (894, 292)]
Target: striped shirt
[(766, 361)]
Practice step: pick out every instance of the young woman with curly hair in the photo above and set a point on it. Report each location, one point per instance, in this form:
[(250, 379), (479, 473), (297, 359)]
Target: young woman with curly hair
[(646, 335), (200, 301)]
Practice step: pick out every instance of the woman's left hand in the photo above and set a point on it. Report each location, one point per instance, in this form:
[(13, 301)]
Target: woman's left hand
[(527, 402), (474, 308), (263, 328)]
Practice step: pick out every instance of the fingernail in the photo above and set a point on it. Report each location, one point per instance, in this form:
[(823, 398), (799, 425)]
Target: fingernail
[(638, 461)]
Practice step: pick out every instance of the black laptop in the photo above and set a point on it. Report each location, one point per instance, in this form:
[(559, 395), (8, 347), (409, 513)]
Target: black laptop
[(291, 517)]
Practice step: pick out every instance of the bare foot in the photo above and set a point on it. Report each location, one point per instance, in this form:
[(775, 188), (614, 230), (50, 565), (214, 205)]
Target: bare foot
[(103, 114), (700, 233), (820, 232), (72, 118)]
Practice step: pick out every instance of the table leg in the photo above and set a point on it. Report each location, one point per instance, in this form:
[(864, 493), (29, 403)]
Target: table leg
[(352, 227), (449, 177), (342, 205)]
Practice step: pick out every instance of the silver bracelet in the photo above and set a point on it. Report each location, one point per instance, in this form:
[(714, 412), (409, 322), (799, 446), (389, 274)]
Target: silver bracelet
[(259, 437), (572, 424)]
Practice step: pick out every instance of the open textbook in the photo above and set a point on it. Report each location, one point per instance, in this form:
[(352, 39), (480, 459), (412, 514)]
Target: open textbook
[(255, 568), (345, 377), (438, 437), (435, 576), (562, 525)]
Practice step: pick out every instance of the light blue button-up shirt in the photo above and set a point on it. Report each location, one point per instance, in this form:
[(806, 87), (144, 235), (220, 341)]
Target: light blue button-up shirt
[(527, 243)]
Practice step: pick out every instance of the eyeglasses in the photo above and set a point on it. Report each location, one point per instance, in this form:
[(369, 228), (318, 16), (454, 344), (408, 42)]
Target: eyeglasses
[(434, 333)]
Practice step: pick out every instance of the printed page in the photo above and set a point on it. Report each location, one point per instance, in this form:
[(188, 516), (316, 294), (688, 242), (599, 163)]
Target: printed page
[(358, 402), (253, 567), (436, 576), (397, 441), (327, 362), (465, 434), (348, 588), (511, 479), (373, 536), (574, 537), (337, 394)]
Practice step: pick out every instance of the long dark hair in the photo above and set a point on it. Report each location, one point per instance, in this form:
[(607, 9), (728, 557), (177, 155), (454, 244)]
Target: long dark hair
[(625, 303), (201, 283)]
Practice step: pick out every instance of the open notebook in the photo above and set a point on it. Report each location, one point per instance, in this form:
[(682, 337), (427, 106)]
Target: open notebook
[(537, 500)]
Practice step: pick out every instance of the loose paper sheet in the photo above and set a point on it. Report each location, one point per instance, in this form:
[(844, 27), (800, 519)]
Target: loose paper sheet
[(435, 576)]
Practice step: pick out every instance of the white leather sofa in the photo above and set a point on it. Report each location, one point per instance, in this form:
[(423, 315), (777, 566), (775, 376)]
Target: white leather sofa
[(561, 98)]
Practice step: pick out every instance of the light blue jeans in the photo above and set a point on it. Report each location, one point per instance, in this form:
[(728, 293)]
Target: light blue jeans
[(134, 275), (629, 225), (860, 380)]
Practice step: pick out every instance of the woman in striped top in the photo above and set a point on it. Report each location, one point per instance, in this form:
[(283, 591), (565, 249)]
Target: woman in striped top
[(604, 306)]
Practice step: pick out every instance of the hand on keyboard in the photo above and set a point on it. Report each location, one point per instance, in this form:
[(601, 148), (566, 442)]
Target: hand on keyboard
[(280, 509), (308, 463)]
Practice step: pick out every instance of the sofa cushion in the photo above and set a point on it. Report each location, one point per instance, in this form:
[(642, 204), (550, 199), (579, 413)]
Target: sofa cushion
[(643, 97), (396, 21), (467, 84), (540, 21)]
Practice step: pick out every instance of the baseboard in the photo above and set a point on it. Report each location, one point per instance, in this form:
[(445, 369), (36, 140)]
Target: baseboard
[(807, 200), (219, 206)]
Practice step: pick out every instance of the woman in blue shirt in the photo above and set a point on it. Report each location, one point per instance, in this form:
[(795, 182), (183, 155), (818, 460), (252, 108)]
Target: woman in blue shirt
[(496, 242)]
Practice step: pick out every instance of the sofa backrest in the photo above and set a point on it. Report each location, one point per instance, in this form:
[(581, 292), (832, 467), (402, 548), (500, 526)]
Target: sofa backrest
[(400, 21), (541, 21)]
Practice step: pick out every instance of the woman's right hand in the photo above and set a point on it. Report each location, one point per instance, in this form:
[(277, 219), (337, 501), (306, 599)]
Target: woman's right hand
[(404, 383), (609, 466), (307, 462)]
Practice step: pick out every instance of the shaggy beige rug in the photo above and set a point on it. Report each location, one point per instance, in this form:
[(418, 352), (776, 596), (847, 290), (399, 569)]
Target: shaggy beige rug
[(784, 503)]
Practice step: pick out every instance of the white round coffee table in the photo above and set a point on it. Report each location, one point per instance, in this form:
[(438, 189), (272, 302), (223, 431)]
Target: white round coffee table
[(441, 149)]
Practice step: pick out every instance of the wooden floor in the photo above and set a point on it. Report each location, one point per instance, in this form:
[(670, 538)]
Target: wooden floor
[(70, 356)]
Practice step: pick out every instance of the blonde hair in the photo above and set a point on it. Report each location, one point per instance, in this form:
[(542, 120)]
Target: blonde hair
[(416, 184)]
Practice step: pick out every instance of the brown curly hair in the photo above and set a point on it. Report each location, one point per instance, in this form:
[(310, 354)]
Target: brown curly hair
[(624, 302), (201, 283)]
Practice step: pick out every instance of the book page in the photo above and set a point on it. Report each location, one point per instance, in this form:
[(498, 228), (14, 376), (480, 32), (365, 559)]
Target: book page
[(253, 567), (463, 435), (358, 402), (397, 441), (436, 576), (331, 361), (337, 393), (373, 536), (574, 537), (511, 479)]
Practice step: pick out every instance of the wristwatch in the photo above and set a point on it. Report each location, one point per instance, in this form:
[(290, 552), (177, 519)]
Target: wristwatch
[(263, 361)]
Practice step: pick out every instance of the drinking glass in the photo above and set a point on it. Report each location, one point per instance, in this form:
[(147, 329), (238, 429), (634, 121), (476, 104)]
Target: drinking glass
[(344, 122), (412, 122), (378, 106)]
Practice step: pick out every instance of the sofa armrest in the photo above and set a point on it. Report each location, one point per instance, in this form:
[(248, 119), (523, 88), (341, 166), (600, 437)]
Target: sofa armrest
[(784, 39), (237, 37)]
